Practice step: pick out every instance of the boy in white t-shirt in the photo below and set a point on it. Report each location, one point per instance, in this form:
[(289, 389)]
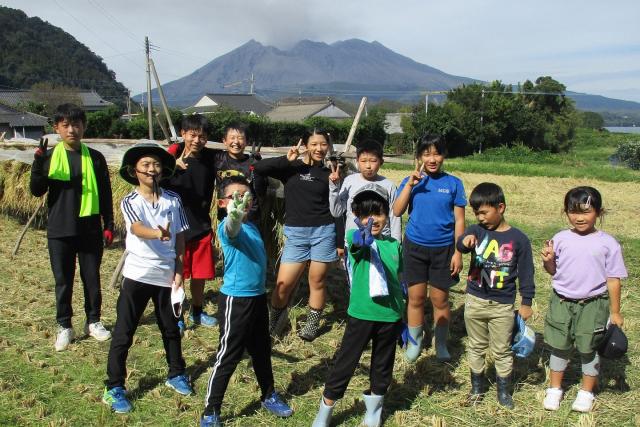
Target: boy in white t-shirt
[(155, 223)]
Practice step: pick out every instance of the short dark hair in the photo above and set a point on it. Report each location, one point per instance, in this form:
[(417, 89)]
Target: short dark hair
[(195, 122), (369, 146), (235, 125), (578, 198), (431, 140), (369, 203), (486, 193), (69, 112), (235, 179)]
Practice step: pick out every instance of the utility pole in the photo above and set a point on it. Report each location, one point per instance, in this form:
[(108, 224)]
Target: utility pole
[(481, 121), (251, 83), (426, 103), (163, 100), (149, 105), (129, 105)]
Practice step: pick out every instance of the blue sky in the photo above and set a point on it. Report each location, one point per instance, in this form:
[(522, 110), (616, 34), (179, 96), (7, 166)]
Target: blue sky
[(590, 46)]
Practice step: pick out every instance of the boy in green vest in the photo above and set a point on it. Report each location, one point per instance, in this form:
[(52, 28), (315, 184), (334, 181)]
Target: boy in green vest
[(80, 216)]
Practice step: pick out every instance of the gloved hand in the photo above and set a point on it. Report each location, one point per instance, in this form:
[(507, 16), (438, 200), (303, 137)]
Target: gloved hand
[(41, 150), (363, 236), (236, 206), (174, 149), (108, 237)]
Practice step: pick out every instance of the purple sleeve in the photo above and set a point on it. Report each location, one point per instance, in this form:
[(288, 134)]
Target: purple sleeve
[(614, 262)]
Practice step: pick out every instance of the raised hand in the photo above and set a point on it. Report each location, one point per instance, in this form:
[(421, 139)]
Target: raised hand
[(237, 206), (335, 173), (294, 152), (417, 175), (548, 253), (180, 163), (165, 234), (363, 236), (41, 150)]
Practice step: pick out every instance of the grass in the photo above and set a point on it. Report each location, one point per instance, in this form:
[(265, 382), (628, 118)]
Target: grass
[(589, 159), (41, 387)]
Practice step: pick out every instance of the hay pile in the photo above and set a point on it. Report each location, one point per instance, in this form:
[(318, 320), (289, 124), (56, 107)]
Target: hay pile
[(16, 201)]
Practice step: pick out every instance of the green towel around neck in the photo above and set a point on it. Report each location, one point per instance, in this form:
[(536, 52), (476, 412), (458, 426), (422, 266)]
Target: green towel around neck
[(59, 170)]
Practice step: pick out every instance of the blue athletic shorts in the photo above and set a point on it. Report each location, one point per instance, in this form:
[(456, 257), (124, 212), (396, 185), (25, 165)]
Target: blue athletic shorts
[(309, 243)]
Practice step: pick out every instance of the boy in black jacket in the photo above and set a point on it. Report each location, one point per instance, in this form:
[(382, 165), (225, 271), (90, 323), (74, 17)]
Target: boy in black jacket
[(80, 217), (501, 254)]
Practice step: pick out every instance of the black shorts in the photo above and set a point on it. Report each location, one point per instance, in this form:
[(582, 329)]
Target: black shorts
[(424, 264)]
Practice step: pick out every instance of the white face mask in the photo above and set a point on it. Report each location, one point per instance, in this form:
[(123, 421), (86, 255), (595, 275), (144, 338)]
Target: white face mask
[(177, 298)]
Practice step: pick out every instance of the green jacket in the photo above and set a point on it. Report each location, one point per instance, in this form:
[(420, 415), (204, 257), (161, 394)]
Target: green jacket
[(361, 305)]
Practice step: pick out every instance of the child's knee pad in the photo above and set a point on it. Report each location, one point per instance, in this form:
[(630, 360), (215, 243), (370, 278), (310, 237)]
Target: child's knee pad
[(559, 360), (590, 364)]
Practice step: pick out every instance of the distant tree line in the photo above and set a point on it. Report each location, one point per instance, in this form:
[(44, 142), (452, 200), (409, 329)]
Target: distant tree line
[(473, 118), (477, 117)]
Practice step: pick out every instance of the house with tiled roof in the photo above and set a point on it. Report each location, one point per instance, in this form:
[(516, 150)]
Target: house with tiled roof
[(89, 99), (18, 124), (243, 103), (299, 109)]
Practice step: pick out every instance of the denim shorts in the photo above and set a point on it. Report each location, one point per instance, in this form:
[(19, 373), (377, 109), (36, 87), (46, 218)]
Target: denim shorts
[(309, 243)]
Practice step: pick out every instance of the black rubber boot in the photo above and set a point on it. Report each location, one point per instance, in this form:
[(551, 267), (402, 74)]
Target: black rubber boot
[(503, 386), (478, 388)]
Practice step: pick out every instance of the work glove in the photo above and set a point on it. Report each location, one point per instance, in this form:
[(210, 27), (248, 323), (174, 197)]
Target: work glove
[(108, 237), (236, 206), (174, 149), (363, 237)]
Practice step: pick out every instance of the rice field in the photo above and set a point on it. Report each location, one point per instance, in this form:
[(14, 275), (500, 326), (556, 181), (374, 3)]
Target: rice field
[(41, 387)]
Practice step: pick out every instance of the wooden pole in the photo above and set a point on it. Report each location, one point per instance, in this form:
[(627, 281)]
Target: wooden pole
[(163, 101), (26, 227), (352, 132), (149, 104), (118, 271)]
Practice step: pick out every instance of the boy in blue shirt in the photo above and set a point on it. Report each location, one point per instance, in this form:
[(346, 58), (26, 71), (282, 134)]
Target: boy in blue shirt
[(244, 316)]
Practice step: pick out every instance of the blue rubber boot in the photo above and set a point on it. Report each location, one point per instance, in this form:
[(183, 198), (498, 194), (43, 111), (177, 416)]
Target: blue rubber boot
[(412, 352), (373, 403), (323, 418)]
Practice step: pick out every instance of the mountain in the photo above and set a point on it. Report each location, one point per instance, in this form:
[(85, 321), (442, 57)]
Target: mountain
[(346, 68), (34, 51)]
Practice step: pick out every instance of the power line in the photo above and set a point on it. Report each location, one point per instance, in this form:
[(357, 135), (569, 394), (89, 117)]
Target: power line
[(117, 23)]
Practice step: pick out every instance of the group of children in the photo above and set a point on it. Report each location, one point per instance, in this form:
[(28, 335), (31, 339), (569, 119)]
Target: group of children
[(169, 239)]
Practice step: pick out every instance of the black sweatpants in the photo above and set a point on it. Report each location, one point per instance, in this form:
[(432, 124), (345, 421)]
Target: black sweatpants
[(244, 324), (132, 302), (62, 255), (358, 333)]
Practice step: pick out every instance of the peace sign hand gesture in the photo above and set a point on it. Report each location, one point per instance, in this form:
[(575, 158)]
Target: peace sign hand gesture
[(236, 206), (417, 175), (294, 151), (363, 236), (334, 177)]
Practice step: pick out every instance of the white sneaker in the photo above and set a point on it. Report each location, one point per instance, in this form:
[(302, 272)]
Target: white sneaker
[(584, 401), (65, 336), (552, 398), (97, 330)]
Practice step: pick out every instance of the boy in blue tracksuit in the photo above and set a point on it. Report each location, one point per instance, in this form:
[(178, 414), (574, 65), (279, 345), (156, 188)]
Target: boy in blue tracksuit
[(243, 313)]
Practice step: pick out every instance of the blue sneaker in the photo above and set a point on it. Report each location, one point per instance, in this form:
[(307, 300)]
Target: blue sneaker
[(182, 327), (210, 421), (203, 319), (180, 383), (117, 400), (277, 406)]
